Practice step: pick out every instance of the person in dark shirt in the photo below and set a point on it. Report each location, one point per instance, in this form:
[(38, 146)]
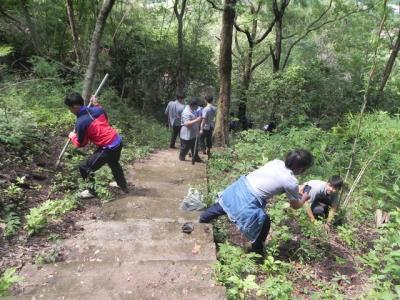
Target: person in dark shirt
[(92, 126)]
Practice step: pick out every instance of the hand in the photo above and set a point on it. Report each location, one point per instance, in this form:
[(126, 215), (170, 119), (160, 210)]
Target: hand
[(72, 134), (327, 227), (201, 131), (93, 100)]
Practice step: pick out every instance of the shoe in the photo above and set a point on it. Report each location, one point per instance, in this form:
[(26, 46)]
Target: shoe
[(181, 158), (190, 154), (114, 184), (198, 159), (86, 194), (172, 147), (204, 152)]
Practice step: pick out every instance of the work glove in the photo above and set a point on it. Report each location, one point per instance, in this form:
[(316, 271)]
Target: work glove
[(72, 135)]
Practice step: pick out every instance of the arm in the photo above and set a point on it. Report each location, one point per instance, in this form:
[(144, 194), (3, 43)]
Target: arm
[(189, 123), (331, 215), (296, 204), (309, 212)]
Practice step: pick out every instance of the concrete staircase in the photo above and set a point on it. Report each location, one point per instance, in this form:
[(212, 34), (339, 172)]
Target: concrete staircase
[(136, 250)]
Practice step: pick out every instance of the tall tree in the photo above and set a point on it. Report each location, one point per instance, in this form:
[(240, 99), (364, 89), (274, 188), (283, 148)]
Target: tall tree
[(390, 63), (74, 32), (221, 135), (253, 38), (279, 11), (95, 47), (179, 13)]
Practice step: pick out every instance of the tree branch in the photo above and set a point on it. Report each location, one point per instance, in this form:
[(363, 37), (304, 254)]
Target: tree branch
[(314, 29), (261, 61), (214, 5), (265, 34), (245, 31)]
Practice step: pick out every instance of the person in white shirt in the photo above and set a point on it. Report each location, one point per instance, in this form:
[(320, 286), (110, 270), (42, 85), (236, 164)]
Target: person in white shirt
[(174, 112), (244, 200)]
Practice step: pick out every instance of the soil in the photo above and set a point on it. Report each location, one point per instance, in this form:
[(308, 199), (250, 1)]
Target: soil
[(339, 266), (38, 171)]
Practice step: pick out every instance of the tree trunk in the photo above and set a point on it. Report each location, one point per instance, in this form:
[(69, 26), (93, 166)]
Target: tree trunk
[(225, 70), (389, 64), (277, 52), (245, 85), (180, 79), (31, 26), (95, 47), (75, 36)]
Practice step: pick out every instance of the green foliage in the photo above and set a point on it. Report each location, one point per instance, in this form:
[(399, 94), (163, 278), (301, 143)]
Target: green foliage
[(232, 269), (43, 68), (49, 211), (276, 287), (47, 256), (13, 223), (384, 259), (5, 50), (7, 280), (241, 287)]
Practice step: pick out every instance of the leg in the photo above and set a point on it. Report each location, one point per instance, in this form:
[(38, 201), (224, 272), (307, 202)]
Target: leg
[(185, 147), (209, 141), (116, 169), (319, 210), (92, 164), (212, 213), (202, 141), (175, 132), (195, 150), (258, 245)]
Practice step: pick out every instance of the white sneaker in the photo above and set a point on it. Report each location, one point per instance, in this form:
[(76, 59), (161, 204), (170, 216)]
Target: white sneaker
[(86, 194), (113, 184)]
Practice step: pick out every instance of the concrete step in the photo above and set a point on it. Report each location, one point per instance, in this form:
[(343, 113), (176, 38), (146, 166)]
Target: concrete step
[(189, 293), (132, 207), (140, 240), (116, 278)]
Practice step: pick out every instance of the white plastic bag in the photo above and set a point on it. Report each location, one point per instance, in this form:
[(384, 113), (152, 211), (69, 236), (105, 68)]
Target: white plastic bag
[(192, 201)]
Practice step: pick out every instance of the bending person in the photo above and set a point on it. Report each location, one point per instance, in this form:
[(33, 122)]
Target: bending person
[(324, 198), (244, 200), (92, 125)]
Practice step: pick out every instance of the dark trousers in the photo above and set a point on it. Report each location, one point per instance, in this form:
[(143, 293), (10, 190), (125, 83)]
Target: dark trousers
[(206, 138), (99, 158), (320, 210), (175, 132), (187, 145), (216, 211)]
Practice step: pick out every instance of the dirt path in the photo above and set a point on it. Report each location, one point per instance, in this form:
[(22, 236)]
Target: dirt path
[(136, 250)]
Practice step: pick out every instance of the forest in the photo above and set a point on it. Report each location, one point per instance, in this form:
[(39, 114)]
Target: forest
[(325, 72)]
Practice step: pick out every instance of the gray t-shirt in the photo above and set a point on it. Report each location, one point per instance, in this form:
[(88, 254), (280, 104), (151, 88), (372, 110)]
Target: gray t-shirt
[(318, 193), (189, 132), (273, 179), (208, 115), (174, 111)]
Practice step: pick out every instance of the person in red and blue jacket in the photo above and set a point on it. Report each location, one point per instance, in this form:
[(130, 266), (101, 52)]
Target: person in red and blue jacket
[(92, 126)]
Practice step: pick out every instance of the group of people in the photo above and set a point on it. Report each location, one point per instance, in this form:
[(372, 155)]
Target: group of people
[(244, 201), (191, 122)]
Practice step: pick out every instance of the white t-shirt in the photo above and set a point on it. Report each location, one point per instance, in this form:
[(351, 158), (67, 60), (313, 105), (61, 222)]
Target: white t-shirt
[(318, 193), (273, 179)]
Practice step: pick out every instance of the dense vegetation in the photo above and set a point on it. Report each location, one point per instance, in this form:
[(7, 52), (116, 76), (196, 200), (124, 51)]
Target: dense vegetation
[(303, 260), (326, 72)]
